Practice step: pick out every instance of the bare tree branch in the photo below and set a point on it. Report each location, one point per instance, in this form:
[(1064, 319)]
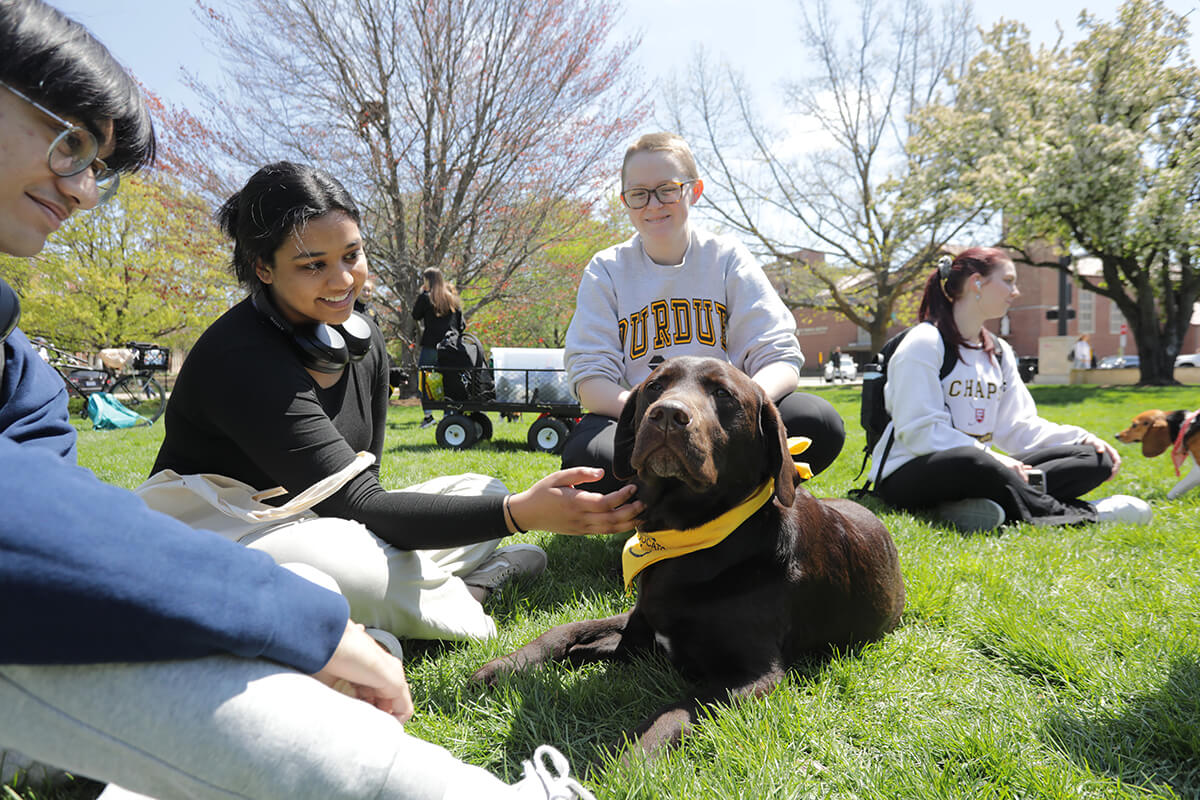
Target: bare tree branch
[(875, 210), (463, 127)]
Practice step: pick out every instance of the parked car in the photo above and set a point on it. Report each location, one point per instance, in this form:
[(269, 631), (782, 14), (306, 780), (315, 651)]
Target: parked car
[(1117, 362), (846, 369), (1192, 360)]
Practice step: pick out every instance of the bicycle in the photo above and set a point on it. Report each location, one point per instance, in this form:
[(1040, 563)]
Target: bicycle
[(138, 390)]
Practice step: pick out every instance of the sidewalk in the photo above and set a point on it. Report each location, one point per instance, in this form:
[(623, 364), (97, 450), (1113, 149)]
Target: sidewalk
[(811, 381)]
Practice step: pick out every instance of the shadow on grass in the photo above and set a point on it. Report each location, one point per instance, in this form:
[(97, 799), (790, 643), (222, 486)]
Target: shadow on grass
[(490, 445), (591, 711), (577, 566), (1154, 741)]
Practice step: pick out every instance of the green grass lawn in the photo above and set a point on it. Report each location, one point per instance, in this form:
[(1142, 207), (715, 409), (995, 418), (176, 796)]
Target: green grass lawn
[(1032, 663)]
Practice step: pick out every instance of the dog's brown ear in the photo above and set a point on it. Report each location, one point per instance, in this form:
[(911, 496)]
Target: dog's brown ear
[(778, 457), (627, 427), (1157, 438)]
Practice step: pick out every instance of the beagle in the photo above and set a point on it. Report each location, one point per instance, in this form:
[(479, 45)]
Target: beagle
[(1178, 431)]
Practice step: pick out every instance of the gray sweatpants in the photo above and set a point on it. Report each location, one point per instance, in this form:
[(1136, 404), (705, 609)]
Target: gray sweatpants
[(223, 727)]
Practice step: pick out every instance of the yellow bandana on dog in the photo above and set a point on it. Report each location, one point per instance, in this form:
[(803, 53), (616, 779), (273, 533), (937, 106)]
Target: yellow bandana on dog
[(796, 446), (644, 549)]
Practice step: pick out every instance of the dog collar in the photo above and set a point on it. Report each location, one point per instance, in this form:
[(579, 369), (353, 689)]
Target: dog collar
[(1178, 453), (644, 549)]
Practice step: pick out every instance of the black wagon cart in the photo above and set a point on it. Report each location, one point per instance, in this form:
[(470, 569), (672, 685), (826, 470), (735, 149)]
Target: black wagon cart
[(519, 380)]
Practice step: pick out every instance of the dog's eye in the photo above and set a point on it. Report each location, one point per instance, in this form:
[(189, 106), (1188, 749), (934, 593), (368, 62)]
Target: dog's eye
[(722, 392), (654, 386)]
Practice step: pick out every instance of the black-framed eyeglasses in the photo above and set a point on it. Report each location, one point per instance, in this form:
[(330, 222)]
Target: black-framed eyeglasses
[(74, 150), (667, 193)]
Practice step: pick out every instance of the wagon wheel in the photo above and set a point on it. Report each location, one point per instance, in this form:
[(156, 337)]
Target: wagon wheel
[(483, 424), (456, 432), (548, 435)]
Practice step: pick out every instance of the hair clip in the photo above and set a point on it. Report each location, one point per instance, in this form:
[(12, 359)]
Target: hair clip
[(943, 265)]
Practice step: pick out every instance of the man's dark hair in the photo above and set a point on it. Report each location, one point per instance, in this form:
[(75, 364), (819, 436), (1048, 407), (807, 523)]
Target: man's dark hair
[(57, 62)]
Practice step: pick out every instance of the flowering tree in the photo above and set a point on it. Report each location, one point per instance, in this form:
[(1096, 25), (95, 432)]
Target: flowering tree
[(1095, 147), (464, 127), (149, 265), (870, 204), (544, 299)]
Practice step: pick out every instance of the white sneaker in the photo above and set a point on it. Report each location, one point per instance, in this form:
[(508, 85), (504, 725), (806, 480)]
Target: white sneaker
[(506, 563), (387, 641), (972, 514), (540, 783), (425, 423), (1124, 508)]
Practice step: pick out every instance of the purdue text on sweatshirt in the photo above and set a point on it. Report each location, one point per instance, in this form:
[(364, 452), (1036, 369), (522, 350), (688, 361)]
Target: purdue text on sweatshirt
[(631, 313)]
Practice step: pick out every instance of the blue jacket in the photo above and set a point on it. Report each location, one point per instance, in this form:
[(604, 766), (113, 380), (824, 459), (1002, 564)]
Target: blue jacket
[(89, 574), (33, 400)]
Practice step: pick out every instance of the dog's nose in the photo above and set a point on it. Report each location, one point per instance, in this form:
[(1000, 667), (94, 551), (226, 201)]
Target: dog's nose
[(669, 414)]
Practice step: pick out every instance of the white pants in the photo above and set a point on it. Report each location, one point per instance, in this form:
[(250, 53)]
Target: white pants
[(411, 593), (223, 727)]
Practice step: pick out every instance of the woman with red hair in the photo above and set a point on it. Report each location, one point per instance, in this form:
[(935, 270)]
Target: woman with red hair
[(966, 446)]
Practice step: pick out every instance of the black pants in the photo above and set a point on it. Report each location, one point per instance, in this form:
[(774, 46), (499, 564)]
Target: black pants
[(591, 442), (961, 472)]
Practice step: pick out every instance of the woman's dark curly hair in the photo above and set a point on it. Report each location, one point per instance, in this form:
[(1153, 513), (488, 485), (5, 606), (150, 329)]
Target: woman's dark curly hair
[(277, 200)]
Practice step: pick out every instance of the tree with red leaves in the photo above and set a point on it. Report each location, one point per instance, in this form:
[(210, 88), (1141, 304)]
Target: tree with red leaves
[(147, 266), (544, 295), (467, 129)]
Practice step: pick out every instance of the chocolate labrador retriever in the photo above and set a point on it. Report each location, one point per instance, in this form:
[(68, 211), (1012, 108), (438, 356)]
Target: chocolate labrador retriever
[(798, 575)]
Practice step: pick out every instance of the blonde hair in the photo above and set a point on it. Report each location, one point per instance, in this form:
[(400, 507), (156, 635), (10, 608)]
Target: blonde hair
[(663, 143)]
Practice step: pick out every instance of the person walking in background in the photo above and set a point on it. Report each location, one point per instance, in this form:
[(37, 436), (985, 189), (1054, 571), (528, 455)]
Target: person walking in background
[(1081, 353), (835, 358), (438, 309), (965, 446), (675, 290), (365, 302)]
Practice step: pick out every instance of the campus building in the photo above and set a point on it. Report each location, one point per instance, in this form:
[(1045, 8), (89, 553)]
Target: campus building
[(1033, 316)]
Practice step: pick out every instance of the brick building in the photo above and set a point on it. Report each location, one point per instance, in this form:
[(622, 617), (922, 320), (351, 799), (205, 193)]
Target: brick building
[(1026, 323)]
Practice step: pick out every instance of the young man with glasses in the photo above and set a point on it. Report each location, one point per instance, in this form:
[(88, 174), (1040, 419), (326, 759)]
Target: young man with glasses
[(675, 290), (134, 649)]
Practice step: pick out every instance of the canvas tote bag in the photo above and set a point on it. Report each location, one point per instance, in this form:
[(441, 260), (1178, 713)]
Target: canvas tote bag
[(232, 508)]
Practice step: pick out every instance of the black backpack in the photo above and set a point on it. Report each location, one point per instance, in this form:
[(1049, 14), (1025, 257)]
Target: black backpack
[(873, 415), (465, 371)]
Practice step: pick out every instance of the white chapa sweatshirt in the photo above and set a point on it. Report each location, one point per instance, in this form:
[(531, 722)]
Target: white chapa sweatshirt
[(979, 404)]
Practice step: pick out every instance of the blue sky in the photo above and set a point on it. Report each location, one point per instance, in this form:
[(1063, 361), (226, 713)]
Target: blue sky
[(156, 39)]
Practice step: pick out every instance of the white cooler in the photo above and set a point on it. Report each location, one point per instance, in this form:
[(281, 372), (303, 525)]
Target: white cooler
[(517, 382)]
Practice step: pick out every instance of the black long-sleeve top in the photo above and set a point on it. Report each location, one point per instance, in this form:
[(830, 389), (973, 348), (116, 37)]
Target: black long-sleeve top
[(435, 326), (245, 407)]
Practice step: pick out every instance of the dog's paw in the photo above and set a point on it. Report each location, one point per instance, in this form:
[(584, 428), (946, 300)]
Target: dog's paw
[(490, 672)]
